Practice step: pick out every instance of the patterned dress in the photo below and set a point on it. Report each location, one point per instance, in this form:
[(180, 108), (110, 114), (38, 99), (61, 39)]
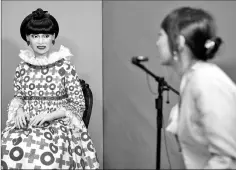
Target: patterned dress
[(42, 87)]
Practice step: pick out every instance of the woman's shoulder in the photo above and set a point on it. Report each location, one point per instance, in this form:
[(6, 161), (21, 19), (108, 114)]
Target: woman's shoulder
[(210, 75), (68, 65), (208, 71), (20, 65)]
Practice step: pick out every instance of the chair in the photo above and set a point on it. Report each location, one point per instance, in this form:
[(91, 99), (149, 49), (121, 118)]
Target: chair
[(88, 95)]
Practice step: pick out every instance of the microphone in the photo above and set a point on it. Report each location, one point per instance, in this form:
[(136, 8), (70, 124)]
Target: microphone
[(138, 59)]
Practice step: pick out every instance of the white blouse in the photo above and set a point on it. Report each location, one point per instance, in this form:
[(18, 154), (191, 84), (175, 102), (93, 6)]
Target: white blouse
[(206, 119)]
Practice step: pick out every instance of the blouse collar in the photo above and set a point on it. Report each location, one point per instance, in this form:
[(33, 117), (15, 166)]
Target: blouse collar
[(29, 57), (187, 74)]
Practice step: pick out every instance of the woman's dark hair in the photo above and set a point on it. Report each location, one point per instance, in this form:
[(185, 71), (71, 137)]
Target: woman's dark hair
[(39, 22), (198, 28)]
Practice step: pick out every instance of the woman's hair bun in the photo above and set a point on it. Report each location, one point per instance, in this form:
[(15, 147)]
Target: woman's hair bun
[(212, 46), (39, 13)]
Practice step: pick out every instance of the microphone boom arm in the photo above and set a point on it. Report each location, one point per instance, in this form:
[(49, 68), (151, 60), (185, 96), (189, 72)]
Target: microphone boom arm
[(158, 79)]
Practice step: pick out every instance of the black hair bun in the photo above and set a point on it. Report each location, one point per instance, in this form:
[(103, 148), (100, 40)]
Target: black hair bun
[(39, 14), (218, 41)]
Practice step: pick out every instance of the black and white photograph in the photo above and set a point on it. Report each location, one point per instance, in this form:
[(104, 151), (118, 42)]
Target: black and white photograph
[(118, 84)]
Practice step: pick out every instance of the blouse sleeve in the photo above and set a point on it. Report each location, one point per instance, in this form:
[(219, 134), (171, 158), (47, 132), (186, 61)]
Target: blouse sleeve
[(173, 125), (75, 105), (17, 101), (173, 120), (215, 100)]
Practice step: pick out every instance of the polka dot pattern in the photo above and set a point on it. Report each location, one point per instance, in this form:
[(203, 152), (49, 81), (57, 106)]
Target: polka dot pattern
[(56, 144)]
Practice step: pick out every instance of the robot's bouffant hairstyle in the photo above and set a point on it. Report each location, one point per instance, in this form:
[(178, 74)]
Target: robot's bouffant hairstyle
[(39, 22)]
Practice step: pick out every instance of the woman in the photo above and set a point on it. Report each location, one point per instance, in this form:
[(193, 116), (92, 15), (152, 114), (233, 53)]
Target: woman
[(44, 129), (205, 119)]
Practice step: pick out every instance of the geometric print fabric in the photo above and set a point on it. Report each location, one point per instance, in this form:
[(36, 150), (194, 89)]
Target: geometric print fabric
[(58, 144)]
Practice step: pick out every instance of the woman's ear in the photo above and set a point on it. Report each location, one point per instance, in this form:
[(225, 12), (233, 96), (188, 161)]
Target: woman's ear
[(27, 37), (53, 36), (181, 43)]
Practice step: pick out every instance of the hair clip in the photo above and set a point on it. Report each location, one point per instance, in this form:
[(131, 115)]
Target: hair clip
[(209, 44)]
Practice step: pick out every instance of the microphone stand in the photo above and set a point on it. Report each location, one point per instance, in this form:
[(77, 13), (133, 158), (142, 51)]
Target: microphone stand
[(162, 86)]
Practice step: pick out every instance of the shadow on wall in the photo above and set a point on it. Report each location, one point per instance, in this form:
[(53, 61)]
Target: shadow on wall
[(11, 51)]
